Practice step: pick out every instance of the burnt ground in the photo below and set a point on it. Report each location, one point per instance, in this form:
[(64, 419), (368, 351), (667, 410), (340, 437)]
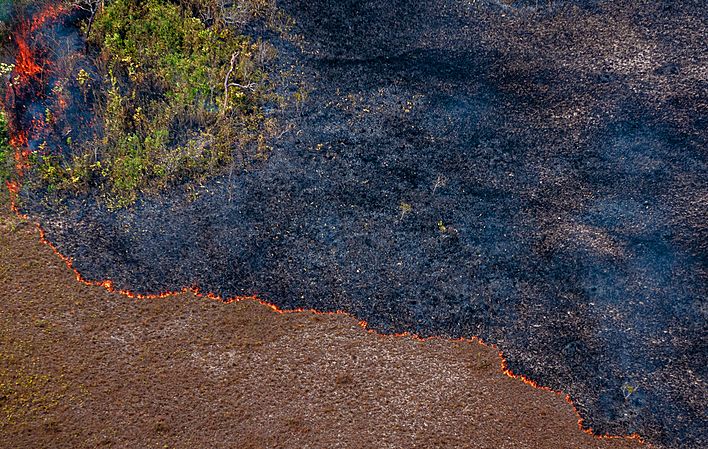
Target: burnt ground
[(83, 368), (535, 177)]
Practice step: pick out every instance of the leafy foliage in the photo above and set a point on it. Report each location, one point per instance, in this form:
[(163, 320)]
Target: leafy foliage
[(6, 167), (178, 98)]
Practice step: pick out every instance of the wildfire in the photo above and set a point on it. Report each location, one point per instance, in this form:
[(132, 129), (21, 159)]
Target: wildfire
[(48, 14), (27, 67), (25, 64), (109, 286), (18, 141), (18, 138), (14, 189)]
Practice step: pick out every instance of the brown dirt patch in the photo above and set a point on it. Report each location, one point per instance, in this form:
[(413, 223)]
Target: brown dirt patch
[(81, 367)]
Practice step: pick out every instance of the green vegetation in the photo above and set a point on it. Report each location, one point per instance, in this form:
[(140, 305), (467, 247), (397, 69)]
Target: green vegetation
[(6, 159), (405, 209), (178, 98), (26, 393)]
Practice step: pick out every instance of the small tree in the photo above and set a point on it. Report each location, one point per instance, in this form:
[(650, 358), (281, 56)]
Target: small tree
[(92, 7)]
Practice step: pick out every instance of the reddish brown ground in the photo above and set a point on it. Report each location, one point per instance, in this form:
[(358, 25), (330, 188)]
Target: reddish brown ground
[(84, 368)]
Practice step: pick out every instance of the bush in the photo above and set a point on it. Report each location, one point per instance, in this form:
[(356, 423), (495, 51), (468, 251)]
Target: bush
[(6, 152), (164, 114)]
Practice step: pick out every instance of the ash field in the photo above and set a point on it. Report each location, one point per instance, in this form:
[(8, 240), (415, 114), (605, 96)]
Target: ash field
[(531, 174)]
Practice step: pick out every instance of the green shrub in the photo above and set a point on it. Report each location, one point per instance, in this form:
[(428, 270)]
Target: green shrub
[(166, 115), (6, 152)]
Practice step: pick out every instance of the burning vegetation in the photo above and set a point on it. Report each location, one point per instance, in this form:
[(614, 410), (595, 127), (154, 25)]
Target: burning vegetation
[(127, 96)]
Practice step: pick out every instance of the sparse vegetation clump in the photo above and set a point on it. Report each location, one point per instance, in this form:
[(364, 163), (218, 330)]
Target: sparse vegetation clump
[(6, 163), (177, 93), (168, 110)]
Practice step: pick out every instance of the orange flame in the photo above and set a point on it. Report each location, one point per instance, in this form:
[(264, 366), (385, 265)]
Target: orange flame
[(25, 64), (47, 14), (14, 188), (18, 140), (26, 67)]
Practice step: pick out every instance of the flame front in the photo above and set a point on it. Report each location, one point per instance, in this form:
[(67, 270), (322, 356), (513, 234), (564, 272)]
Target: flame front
[(27, 70)]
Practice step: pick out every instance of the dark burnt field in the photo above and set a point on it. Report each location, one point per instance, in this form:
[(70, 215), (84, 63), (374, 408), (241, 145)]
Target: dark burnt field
[(534, 177)]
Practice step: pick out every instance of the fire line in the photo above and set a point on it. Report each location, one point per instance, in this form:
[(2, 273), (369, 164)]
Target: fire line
[(27, 67)]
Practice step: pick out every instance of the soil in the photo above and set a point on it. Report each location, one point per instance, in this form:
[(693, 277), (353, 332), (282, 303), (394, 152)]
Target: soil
[(83, 368)]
